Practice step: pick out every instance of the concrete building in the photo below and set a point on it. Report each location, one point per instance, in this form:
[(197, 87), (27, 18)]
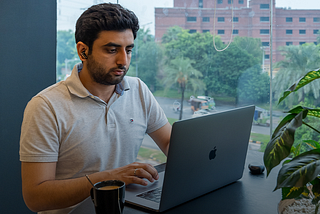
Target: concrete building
[(290, 27)]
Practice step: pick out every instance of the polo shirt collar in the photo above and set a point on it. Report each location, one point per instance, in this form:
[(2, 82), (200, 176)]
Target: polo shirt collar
[(75, 86)]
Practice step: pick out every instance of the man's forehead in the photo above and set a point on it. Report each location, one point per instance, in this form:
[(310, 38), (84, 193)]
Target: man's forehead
[(112, 36)]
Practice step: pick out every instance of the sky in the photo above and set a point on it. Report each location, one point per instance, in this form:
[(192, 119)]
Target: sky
[(69, 10)]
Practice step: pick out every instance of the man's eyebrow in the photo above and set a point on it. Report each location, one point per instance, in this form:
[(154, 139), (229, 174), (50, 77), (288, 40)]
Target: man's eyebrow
[(111, 44)]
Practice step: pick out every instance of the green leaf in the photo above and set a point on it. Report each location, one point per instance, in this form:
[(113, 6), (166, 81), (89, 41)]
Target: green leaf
[(306, 79), (291, 192), (300, 170), (280, 145), (313, 144)]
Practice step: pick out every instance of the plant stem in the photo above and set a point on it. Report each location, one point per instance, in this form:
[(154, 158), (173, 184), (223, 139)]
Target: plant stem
[(317, 208), (310, 127)]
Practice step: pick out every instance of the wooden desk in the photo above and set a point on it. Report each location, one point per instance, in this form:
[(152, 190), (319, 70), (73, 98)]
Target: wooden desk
[(252, 194)]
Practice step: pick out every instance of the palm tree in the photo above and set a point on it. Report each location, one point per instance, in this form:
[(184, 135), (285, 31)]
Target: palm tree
[(298, 60), (181, 71)]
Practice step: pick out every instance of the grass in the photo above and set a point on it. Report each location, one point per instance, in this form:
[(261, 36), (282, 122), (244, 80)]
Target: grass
[(264, 139), (151, 154)]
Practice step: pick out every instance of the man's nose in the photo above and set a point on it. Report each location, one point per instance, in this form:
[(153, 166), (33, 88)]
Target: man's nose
[(122, 58)]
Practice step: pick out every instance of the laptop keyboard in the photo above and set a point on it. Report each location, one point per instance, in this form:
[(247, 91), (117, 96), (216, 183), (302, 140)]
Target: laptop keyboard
[(152, 195)]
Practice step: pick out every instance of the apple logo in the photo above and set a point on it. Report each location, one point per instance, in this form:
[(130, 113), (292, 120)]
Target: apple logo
[(212, 153)]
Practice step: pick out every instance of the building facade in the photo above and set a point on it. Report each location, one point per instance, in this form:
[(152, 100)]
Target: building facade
[(238, 18)]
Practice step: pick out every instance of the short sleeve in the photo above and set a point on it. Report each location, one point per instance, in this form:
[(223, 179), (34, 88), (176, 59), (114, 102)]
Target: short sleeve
[(39, 140)]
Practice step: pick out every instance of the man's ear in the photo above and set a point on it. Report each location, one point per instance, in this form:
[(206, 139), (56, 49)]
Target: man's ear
[(82, 50)]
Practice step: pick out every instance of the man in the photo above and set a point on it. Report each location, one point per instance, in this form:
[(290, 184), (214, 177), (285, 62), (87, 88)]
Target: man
[(94, 122)]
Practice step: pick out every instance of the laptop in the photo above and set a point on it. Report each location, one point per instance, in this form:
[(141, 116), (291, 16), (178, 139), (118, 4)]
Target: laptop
[(205, 153)]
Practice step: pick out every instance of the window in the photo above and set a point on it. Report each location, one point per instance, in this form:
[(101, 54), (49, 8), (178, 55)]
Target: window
[(200, 3), (315, 31), (301, 32), (191, 19), (220, 19), (205, 19), (204, 31), (266, 56), (264, 6), (289, 43), (192, 31), (264, 19), (265, 43), (241, 2), (230, 1), (301, 43), (235, 32), (220, 32), (264, 31), (302, 19), (288, 19), (220, 1), (316, 19), (288, 32), (235, 19)]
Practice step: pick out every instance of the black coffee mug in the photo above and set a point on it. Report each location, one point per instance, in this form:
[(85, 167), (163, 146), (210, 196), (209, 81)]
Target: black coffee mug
[(108, 197)]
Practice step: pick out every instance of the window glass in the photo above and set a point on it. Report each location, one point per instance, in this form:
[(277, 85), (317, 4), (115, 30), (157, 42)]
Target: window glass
[(220, 31), (264, 6), (220, 19), (205, 19), (316, 19), (288, 19), (302, 19), (200, 3), (264, 19), (168, 32), (264, 31), (302, 31), (288, 31), (191, 19)]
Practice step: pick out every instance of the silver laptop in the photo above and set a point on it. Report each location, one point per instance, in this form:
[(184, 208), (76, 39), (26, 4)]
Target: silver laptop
[(205, 153)]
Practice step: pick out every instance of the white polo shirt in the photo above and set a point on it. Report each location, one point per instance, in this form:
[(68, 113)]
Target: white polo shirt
[(66, 124)]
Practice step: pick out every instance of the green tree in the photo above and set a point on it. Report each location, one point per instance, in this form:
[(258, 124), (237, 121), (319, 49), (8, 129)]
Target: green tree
[(249, 44), (66, 49), (180, 72), (226, 69), (146, 57), (220, 70), (298, 59), (254, 85)]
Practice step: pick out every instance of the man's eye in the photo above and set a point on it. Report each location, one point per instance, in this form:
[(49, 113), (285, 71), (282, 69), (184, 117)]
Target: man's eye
[(129, 51), (112, 50)]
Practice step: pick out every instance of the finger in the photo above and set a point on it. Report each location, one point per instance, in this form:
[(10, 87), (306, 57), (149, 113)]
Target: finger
[(142, 173), (150, 169)]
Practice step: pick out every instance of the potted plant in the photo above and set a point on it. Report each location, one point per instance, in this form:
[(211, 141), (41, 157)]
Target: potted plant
[(299, 175)]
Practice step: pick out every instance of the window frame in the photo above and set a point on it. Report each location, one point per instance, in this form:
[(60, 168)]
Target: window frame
[(191, 17)]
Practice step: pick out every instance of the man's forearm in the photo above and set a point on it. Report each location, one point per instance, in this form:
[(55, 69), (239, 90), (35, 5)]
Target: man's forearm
[(57, 194)]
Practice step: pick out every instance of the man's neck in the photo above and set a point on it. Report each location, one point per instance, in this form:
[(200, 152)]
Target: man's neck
[(104, 92)]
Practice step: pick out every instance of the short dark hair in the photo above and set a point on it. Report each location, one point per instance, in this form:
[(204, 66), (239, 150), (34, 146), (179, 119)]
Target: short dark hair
[(101, 17)]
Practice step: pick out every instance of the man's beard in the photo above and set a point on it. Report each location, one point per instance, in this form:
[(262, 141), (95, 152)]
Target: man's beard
[(99, 75)]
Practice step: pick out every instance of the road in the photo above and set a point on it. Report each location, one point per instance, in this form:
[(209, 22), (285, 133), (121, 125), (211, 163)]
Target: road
[(167, 106)]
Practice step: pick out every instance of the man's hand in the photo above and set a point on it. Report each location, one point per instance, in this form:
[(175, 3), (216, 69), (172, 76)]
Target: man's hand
[(135, 173)]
